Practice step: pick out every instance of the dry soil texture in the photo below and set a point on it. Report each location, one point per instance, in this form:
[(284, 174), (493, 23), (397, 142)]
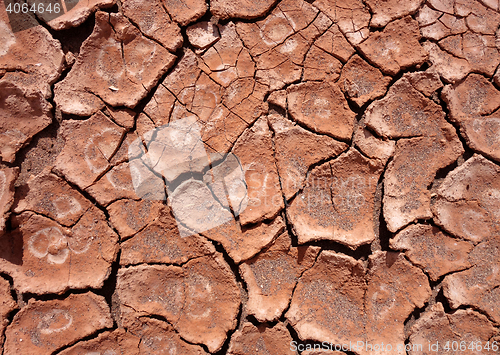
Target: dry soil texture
[(250, 177)]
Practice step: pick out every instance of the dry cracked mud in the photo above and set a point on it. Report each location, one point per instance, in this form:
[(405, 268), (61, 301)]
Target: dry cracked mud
[(249, 177)]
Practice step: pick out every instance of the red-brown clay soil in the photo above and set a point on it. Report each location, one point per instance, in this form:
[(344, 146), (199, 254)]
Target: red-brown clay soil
[(270, 177)]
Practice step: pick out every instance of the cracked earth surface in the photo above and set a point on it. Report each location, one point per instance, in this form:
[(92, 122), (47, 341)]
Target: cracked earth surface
[(339, 180)]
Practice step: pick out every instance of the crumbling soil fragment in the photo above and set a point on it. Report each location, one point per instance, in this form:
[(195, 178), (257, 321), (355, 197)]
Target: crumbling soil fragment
[(466, 206), (45, 327), (405, 112), (496, 78), (226, 181), (427, 82), (175, 149), (116, 65), (203, 34), (161, 105), (327, 304), (7, 305), (396, 48), (280, 42), (212, 302), (479, 285), (436, 25), (129, 216), (435, 252), (162, 242), (224, 97), (362, 82), (156, 301), (450, 68), (42, 63), (322, 108), (244, 242), (260, 340), (49, 195), (467, 200), (475, 96), (337, 202), (478, 50), (246, 9), (334, 43), (154, 22), (147, 184), (296, 150), (271, 277), (437, 327), (321, 66), (220, 60), (185, 11), (386, 11), (483, 135), (8, 177), (158, 338), (122, 116), (116, 342), (24, 111), (127, 150), (205, 215), (471, 104), (408, 176), (56, 259), (114, 185), (395, 289), (255, 152), (200, 299), (89, 146), (371, 145), (151, 337), (466, 33), (340, 301), (352, 17), (77, 13), (287, 72)]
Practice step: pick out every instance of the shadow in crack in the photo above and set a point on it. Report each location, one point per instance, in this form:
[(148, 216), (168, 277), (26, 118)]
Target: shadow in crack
[(11, 247)]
